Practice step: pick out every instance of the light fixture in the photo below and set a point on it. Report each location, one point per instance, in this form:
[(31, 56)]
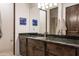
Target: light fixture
[(39, 5), (55, 4), (50, 4), (42, 4), (45, 6)]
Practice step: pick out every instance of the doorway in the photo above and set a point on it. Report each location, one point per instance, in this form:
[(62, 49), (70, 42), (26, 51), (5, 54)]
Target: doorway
[(53, 20), (7, 27)]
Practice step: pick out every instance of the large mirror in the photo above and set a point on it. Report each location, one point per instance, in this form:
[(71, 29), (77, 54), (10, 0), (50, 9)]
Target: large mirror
[(46, 15), (50, 10), (55, 18), (63, 19), (51, 18)]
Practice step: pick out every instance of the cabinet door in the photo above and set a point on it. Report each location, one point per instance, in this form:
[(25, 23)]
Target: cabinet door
[(35, 48), (30, 47), (60, 50), (22, 45), (78, 18), (69, 51), (72, 21), (53, 49), (77, 51)]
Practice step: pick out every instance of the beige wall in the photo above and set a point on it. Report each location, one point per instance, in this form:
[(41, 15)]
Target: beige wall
[(21, 10), (34, 14), (40, 16), (42, 22), (6, 13)]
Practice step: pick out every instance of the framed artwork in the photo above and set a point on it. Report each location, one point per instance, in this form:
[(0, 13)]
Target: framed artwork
[(23, 21), (34, 22)]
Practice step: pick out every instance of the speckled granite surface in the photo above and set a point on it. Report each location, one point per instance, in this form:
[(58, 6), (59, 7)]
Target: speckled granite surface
[(70, 42), (61, 39)]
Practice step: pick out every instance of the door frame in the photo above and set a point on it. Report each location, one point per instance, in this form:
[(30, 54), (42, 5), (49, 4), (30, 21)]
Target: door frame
[(13, 28), (45, 34)]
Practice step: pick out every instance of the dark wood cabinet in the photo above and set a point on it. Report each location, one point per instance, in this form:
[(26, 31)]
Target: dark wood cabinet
[(69, 51), (77, 51), (72, 20), (59, 50), (23, 45), (54, 49), (36, 48)]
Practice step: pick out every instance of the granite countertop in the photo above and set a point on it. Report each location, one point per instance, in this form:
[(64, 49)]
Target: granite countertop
[(70, 42)]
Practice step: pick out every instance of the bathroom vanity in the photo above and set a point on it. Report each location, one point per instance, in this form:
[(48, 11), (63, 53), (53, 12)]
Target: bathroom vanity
[(52, 45)]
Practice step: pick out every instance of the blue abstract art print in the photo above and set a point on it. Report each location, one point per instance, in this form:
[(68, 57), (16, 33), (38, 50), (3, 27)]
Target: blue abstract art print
[(34, 22), (23, 21)]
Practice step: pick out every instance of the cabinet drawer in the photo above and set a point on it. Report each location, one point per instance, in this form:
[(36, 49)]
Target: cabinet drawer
[(36, 44), (61, 50), (54, 49)]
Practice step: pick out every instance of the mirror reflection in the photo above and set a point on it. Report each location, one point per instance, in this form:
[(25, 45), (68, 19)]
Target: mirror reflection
[(55, 18), (51, 16)]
